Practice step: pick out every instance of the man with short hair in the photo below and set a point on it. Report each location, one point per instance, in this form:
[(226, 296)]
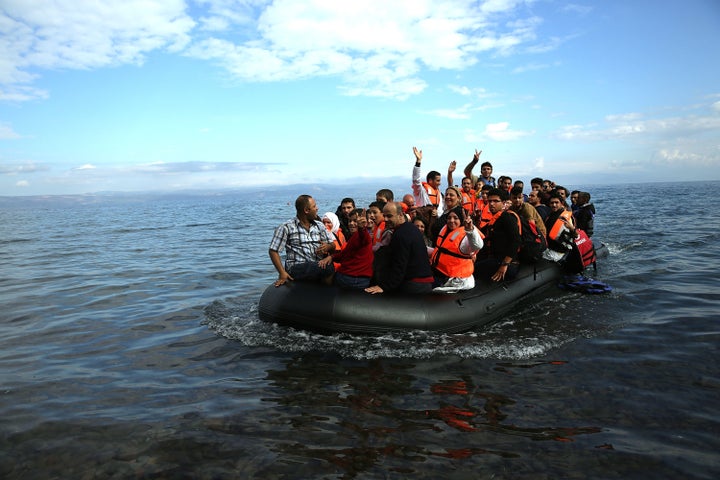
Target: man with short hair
[(525, 210), (306, 241), (408, 267), (343, 211), (486, 170), (428, 192), (541, 208), (498, 260)]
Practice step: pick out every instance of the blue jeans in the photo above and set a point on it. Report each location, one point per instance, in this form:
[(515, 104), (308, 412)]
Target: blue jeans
[(310, 271), (348, 281)]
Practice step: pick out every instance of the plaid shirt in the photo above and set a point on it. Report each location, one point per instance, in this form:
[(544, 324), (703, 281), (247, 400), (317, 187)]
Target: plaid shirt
[(300, 244)]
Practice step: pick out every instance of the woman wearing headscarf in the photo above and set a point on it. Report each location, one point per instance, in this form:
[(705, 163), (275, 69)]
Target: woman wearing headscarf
[(453, 259), (332, 223), (354, 263)]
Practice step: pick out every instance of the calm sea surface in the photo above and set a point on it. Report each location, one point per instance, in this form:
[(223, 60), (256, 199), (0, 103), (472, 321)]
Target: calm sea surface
[(130, 348)]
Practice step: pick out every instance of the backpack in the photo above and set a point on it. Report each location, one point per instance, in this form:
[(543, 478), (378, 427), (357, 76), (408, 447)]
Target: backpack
[(533, 241)]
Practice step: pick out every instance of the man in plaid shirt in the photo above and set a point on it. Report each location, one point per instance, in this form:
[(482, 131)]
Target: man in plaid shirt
[(306, 241)]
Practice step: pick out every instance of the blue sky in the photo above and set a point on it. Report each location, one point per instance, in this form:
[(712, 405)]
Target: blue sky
[(203, 94)]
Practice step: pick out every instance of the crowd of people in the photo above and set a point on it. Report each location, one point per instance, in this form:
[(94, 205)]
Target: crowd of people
[(434, 239)]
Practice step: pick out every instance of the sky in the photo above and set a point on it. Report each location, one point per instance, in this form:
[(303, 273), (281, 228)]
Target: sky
[(162, 95)]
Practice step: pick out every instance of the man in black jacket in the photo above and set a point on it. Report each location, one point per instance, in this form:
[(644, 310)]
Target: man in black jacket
[(498, 261)]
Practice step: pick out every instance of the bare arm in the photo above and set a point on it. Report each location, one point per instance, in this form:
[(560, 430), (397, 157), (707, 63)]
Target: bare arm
[(469, 167), (283, 275), (451, 169)]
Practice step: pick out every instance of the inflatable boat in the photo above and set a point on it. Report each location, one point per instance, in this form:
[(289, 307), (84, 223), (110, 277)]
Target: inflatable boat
[(317, 307)]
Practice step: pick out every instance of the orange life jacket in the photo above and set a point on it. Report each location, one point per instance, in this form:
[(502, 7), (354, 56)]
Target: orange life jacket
[(486, 218), (433, 194), (447, 258), (468, 201), (377, 232), (557, 227)]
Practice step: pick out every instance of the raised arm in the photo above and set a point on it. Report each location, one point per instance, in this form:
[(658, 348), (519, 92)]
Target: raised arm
[(469, 167), (451, 169)]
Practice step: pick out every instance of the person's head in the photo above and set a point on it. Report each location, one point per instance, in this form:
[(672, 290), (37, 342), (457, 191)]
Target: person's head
[(536, 183), (486, 169), (385, 195), (375, 212), (484, 191), (556, 202), (357, 220), (506, 183), (305, 207), (331, 221), (455, 218), (496, 199), (347, 205), (516, 197), (393, 215), (433, 178), (574, 197), (409, 200), (547, 185), (420, 224), (563, 192), (533, 198), (583, 198), (453, 197), (519, 183), (467, 185)]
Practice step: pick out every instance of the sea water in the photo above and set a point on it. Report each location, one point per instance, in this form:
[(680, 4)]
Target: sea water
[(130, 348)]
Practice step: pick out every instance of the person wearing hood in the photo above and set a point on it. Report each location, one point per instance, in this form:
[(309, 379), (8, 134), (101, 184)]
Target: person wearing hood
[(453, 257)]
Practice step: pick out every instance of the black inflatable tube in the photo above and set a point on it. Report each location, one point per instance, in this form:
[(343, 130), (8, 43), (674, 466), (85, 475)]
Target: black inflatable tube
[(321, 308)]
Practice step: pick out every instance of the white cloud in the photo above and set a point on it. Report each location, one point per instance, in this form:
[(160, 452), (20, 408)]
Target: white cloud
[(87, 166), (7, 132), (375, 47), (22, 183), (82, 34), (501, 132)]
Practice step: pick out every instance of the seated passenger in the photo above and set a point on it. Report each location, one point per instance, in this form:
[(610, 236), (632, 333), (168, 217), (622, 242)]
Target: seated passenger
[(332, 223), (343, 210), (426, 193), (408, 268), (560, 227), (306, 241), (453, 198), (585, 214), (355, 261), (376, 222), (498, 260), (421, 224), (453, 258)]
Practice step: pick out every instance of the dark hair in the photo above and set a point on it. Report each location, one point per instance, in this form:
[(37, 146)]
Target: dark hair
[(431, 175), (386, 193), (498, 192), (486, 186), (485, 164), (536, 181), (301, 203), (378, 205), (346, 200), (516, 191), (583, 198)]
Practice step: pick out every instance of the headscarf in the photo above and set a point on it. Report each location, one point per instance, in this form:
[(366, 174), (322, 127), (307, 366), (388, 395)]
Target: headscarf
[(458, 192), (334, 220)]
